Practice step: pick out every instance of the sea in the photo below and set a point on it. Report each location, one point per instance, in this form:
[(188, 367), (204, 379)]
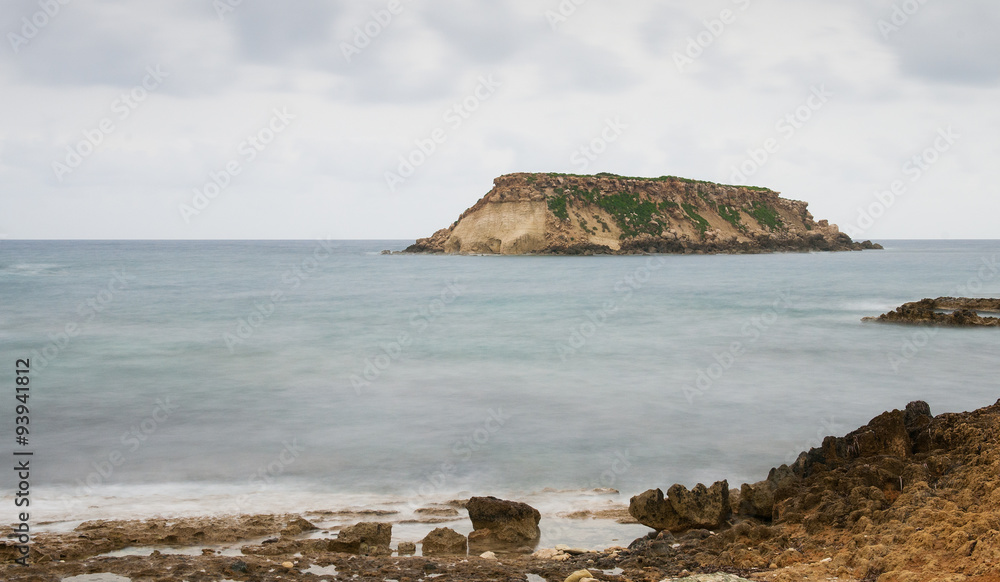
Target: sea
[(187, 378)]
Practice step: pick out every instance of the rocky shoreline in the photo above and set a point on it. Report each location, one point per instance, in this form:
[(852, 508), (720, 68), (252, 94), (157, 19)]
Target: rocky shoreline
[(944, 311), (909, 497)]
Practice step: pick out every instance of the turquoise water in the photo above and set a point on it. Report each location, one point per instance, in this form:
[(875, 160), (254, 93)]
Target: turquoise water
[(206, 376)]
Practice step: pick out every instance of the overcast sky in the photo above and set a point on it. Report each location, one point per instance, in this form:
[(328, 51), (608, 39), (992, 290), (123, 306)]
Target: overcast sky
[(254, 119)]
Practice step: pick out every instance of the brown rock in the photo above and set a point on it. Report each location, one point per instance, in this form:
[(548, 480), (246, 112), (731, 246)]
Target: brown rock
[(508, 522), (757, 500), (682, 510), (945, 311), (297, 526), (444, 541), (362, 538)]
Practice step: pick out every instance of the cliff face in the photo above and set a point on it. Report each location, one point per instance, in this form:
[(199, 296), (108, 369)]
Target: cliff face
[(565, 214)]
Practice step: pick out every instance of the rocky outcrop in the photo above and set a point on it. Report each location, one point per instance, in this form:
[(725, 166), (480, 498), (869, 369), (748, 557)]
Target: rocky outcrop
[(499, 523), (908, 496), (757, 500), (609, 214), (363, 538), (945, 311), (444, 541), (682, 510)]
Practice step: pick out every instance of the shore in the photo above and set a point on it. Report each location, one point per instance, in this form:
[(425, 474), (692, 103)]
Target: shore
[(909, 497)]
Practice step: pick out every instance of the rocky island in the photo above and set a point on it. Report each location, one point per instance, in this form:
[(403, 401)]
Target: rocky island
[(609, 214)]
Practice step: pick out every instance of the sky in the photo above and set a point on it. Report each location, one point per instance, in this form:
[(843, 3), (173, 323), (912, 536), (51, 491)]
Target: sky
[(385, 119)]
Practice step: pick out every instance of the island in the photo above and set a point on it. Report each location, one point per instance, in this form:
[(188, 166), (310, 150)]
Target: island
[(565, 214)]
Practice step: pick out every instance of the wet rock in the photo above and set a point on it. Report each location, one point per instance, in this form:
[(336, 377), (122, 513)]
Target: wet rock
[(945, 311), (438, 511), (362, 538), (502, 522), (444, 541), (239, 566), (681, 509), (297, 526), (406, 548)]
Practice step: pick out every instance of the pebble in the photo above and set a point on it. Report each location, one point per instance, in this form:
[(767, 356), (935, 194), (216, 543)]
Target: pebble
[(579, 576), (288, 565), (488, 556)]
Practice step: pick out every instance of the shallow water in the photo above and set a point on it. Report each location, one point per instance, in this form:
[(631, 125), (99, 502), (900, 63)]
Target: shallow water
[(216, 377)]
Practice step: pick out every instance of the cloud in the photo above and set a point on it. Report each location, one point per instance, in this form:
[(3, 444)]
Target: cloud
[(283, 33), (357, 115), (954, 42), (111, 44)]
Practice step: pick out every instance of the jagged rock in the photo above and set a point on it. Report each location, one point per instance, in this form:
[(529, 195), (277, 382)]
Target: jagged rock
[(757, 500), (444, 541), (362, 538), (501, 522), (406, 548), (608, 214), (682, 510), (945, 311)]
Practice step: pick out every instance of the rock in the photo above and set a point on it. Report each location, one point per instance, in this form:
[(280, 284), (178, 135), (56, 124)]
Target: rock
[(287, 565), (547, 214), (488, 556), (681, 509), (579, 576), (945, 311), (406, 548), (239, 566), (546, 553), (757, 500), (362, 538), (507, 522), (438, 511), (720, 577), (297, 526), (444, 541)]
